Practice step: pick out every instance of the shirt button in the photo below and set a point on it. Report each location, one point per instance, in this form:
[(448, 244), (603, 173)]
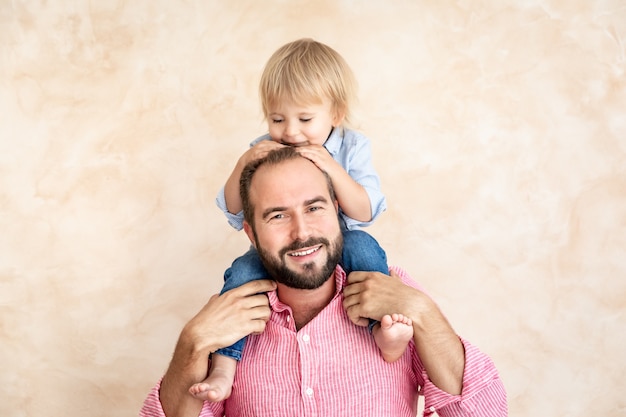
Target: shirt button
[(306, 338), (309, 392), (288, 319), (432, 409)]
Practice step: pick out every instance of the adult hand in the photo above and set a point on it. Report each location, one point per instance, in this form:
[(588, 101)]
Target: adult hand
[(373, 295), (221, 322), (228, 317)]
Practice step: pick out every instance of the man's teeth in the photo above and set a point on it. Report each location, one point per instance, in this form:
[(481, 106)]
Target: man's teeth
[(305, 252)]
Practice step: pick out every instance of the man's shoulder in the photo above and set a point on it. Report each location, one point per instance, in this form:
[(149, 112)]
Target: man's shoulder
[(405, 277), (401, 272)]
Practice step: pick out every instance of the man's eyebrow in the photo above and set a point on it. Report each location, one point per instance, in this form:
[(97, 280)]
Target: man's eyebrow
[(318, 199), (271, 210)]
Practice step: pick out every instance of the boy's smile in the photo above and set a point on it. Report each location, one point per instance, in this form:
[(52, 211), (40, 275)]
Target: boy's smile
[(300, 125)]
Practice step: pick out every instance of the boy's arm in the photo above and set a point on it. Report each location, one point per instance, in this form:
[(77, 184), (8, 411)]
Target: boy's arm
[(231, 188), (351, 196)]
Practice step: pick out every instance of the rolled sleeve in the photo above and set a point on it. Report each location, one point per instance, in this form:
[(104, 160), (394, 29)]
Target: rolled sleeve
[(235, 220), (483, 393), (152, 406), (353, 152)]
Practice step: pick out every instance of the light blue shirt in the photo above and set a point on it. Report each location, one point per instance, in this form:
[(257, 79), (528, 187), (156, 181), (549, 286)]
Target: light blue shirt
[(352, 151)]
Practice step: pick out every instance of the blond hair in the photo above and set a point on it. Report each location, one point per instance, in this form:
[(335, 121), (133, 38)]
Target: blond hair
[(305, 72)]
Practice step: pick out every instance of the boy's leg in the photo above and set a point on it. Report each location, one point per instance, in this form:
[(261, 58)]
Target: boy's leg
[(361, 252), (218, 384), (246, 268), (392, 336)]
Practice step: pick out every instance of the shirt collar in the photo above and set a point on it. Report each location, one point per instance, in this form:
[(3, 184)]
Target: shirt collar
[(333, 143), (340, 283)]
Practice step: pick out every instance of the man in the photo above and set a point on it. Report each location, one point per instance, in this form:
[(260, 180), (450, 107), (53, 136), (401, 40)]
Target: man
[(307, 356)]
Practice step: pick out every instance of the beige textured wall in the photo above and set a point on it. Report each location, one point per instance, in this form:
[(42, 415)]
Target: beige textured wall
[(499, 131)]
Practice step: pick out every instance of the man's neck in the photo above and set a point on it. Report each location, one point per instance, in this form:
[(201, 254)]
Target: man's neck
[(306, 304)]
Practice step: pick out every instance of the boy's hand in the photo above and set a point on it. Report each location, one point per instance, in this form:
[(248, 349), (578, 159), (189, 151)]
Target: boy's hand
[(258, 151), (320, 156)]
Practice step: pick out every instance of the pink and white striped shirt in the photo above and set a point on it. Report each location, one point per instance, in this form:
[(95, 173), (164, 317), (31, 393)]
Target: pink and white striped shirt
[(332, 367)]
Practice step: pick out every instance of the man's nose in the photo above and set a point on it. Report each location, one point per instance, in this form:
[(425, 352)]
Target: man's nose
[(300, 229)]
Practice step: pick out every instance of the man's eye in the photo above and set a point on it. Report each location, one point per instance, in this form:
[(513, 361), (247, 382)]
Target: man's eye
[(278, 216)]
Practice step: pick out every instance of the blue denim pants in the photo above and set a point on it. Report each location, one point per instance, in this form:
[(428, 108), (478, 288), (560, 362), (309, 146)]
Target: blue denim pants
[(361, 252)]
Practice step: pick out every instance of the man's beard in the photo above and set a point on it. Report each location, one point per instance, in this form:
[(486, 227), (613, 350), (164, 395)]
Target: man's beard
[(312, 277)]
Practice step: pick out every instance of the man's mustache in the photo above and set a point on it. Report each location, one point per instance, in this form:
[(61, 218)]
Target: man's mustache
[(313, 241)]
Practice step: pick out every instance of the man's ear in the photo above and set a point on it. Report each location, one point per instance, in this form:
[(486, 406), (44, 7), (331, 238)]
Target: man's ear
[(248, 229)]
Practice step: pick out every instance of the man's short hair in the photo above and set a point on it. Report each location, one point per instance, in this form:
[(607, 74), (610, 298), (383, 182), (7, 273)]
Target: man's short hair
[(275, 157)]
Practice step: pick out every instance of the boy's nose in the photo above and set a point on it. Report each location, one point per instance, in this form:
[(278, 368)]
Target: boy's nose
[(290, 135)]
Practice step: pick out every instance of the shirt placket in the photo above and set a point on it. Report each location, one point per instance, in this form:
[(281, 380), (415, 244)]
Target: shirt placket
[(309, 363)]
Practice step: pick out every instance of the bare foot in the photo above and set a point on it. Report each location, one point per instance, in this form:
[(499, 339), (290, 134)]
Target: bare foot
[(392, 336), (218, 385)]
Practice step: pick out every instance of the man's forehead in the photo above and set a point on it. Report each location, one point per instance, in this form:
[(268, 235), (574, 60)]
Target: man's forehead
[(294, 179), (296, 170)]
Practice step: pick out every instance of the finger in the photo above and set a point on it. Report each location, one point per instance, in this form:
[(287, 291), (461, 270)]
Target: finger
[(258, 286), (254, 301), (353, 315), (361, 321), (259, 313), (258, 327), (267, 144), (350, 301), (260, 317), (357, 276), (353, 308), (262, 312), (351, 290), (303, 152)]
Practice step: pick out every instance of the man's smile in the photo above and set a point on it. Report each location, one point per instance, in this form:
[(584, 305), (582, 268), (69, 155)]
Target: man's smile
[(305, 252)]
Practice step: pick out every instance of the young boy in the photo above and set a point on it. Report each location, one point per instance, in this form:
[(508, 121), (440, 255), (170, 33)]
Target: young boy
[(307, 90)]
